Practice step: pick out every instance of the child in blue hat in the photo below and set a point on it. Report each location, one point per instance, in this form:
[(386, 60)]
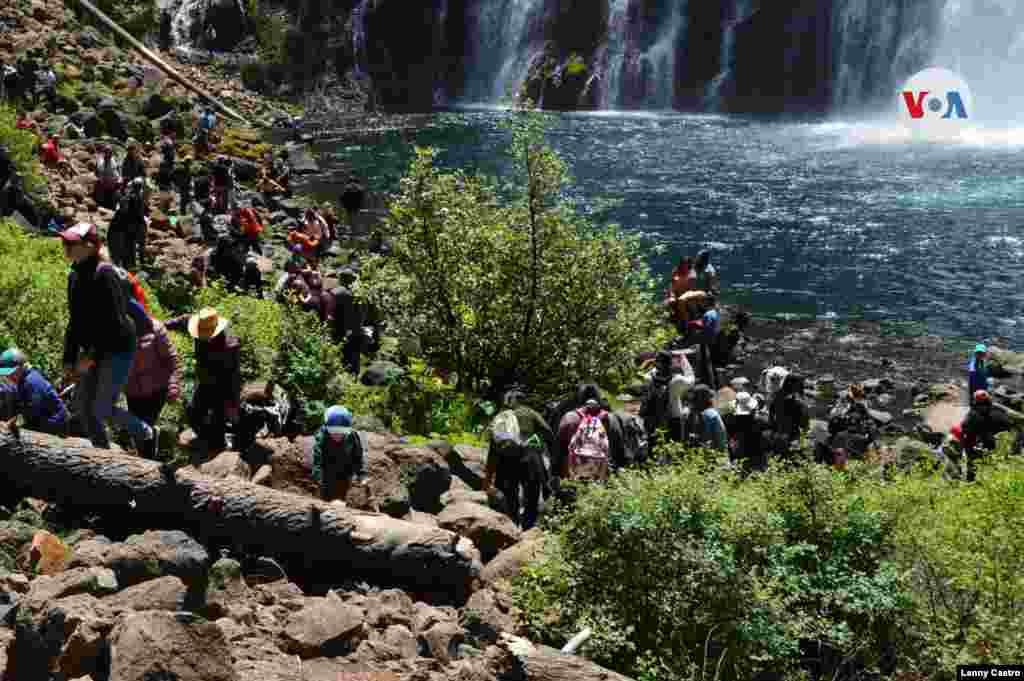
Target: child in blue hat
[(978, 374), (28, 393), (338, 455)]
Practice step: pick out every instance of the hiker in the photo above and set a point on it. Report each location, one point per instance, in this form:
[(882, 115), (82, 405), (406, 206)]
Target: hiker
[(222, 184), (979, 428), (356, 324), (772, 379), (331, 219), (338, 456), (307, 239), (247, 223), (127, 230), (747, 428), (108, 178), (50, 155), (707, 276), (46, 86), (100, 341), (589, 442), (556, 410), (705, 332), (304, 283), (518, 439), (264, 405), (23, 122), (662, 407), (684, 279), (788, 414), (281, 172), (232, 260), (168, 152), (851, 428), (217, 396), (705, 427), (155, 377), (268, 183), (202, 137), (31, 395), (183, 180), (132, 166), (978, 373), (352, 199)]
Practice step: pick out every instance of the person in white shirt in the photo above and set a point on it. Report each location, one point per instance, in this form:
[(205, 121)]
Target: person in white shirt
[(666, 405)]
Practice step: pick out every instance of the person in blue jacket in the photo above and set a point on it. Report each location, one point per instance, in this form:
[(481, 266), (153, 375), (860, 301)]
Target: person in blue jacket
[(978, 375), (705, 332), (33, 396), (338, 455)]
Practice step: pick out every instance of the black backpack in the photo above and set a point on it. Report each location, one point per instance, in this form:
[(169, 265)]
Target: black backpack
[(634, 438), (654, 408)]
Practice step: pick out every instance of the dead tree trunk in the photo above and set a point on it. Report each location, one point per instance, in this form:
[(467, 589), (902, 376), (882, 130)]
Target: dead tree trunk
[(526, 661), (329, 538)]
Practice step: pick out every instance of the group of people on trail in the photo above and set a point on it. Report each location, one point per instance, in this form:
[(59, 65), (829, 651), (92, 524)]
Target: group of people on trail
[(692, 302), (26, 81)]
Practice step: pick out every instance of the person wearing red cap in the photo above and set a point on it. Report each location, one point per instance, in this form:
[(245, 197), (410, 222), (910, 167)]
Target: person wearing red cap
[(979, 429), (100, 341)]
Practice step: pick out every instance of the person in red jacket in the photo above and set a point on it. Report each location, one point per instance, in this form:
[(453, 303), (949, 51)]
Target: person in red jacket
[(155, 376)]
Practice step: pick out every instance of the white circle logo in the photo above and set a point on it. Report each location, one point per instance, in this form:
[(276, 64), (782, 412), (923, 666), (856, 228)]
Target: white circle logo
[(935, 103)]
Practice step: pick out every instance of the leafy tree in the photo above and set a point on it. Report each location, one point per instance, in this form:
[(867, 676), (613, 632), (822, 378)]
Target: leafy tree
[(520, 290)]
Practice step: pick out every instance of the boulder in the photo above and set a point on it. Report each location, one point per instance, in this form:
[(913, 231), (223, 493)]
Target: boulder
[(155, 553), (226, 464), (380, 372), (425, 473), (442, 641), (67, 634), (510, 562), (87, 580), (156, 106), (469, 464), (454, 496), (390, 607), (1004, 363), (908, 453), (325, 626), (180, 646), (226, 586), (302, 160), (162, 593), (488, 529), (487, 614)]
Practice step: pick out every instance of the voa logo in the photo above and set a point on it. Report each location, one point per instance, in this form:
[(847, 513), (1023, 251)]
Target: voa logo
[(935, 102)]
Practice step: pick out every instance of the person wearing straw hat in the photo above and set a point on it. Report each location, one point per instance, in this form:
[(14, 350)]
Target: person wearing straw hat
[(338, 455), (746, 443), (978, 374), (217, 397), (31, 395)]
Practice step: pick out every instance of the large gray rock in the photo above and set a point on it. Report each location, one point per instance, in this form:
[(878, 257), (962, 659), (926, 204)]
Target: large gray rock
[(325, 626), (162, 593), (155, 553), (425, 473), (488, 529), (163, 645)]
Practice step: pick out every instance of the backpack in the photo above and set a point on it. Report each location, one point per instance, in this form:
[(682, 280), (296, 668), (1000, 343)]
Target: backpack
[(505, 427), (634, 438), (132, 288), (588, 449), (654, 408)]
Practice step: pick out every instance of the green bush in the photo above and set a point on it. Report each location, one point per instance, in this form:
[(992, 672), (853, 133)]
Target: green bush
[(499, 291), (21, 145), (690, 573)]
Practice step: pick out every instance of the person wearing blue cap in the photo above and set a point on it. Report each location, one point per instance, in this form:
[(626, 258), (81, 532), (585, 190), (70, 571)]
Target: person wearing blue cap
[(338, 455), (31, 395), (978, 375)]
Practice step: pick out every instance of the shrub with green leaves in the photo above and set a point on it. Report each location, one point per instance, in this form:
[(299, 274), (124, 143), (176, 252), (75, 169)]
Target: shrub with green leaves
[(524, 290), (20, 144), (688, 572)]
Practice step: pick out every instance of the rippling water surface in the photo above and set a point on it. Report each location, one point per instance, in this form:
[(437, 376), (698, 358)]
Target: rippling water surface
[(827, 220)]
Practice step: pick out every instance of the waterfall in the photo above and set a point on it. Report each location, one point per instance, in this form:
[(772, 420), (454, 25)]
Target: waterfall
[(614, 56), (507, 39), (186, 14), (661, 57), (741, 10), (983, 41), (440, 96), (357, 29)]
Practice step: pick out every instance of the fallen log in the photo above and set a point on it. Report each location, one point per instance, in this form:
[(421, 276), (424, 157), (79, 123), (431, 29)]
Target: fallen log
[(329, 538), (528, 661)]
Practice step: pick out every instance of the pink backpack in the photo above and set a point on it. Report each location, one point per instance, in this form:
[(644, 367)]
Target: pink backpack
[(588, 449)]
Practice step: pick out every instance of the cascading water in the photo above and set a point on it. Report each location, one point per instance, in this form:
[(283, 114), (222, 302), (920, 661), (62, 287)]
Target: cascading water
[(741, 10), (614, 56), (506, 43), (661, 60), (357, 29)]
